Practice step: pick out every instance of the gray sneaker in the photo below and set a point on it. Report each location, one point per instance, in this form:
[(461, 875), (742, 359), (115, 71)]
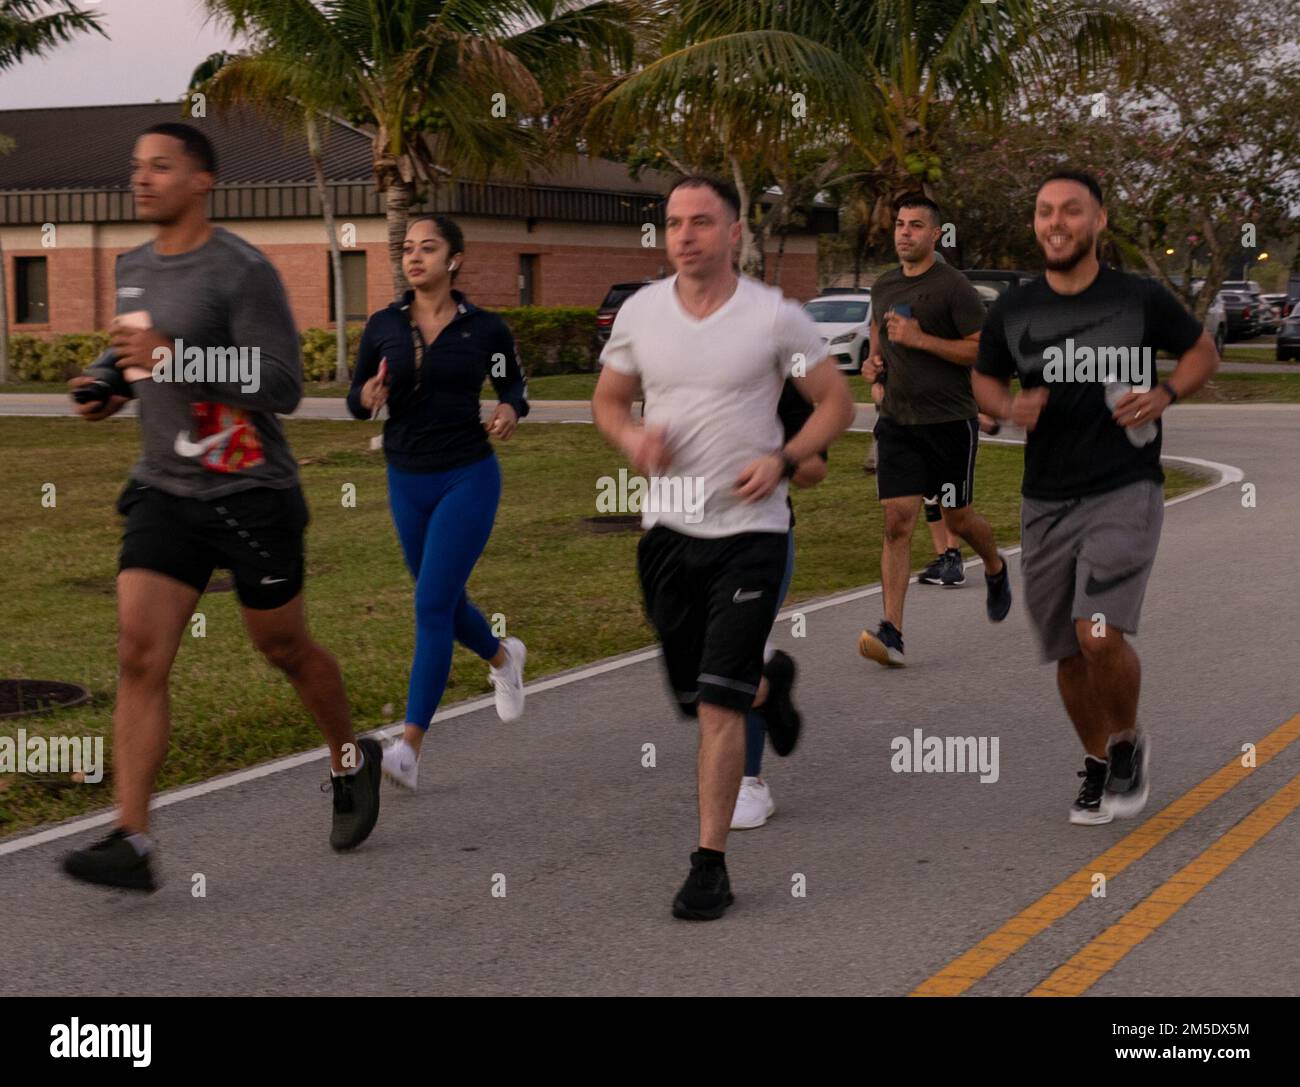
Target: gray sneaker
[(1127, 780), (953, 572), (356, 799)]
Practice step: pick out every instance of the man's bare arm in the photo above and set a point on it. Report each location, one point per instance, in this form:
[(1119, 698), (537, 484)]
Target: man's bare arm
[(992, 394), (646, 448), (611, 404), (1195, 367)]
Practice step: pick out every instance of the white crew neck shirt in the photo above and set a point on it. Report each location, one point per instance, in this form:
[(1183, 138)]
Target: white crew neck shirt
[(713, 383)]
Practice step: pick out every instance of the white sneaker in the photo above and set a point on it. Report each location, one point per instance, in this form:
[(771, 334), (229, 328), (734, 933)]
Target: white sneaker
[(753, 805), (509, 680), (401, 764)]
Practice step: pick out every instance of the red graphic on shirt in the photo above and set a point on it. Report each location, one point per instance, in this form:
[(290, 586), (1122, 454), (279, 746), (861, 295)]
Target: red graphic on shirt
[(241, 447)]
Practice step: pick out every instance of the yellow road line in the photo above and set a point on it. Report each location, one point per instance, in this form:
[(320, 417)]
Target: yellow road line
[(974, 964), (1086, 968)]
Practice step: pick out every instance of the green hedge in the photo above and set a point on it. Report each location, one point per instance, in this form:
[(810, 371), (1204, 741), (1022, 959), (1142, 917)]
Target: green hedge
[(554, 339), (57, 359), (551, 339)]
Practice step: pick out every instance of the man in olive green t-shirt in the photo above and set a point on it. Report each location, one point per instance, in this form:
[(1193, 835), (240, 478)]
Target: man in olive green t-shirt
[(927, 432)]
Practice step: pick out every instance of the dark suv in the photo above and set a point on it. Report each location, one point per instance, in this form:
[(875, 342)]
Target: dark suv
[(618, 294), (1240, 311)]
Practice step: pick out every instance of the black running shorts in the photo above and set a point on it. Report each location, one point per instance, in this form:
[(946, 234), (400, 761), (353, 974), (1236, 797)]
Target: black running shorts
[(927, 459), (256, 534), (712, 603)]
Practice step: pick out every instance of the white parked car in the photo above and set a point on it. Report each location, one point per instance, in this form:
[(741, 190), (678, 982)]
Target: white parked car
[(843, 317)]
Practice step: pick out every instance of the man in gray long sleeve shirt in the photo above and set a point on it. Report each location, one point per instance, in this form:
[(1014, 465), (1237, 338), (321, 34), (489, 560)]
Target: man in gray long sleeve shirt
[(205, 338), (215, 311)]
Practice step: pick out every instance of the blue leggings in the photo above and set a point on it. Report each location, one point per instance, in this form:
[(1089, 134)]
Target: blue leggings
[(443, 520), (755, 729)]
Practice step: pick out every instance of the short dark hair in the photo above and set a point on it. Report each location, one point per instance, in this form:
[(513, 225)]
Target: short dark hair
[(1082, 177), (197, 145), (919, 200), (725, 190), (448, 229)]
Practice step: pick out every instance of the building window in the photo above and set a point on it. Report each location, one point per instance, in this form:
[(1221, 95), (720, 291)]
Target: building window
[(31, 290), (354, 286), (527, 278)]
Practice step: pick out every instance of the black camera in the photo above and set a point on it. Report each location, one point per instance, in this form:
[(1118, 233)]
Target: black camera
[(108, 381), (97, 392)]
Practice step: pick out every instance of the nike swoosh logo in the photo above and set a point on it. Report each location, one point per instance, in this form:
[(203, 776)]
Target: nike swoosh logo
[(741, 597), (1095, 587), (1029, 346), (186, 448), (273, 580)]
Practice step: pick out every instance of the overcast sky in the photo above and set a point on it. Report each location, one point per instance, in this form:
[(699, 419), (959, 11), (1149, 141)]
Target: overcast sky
[(151, 49)]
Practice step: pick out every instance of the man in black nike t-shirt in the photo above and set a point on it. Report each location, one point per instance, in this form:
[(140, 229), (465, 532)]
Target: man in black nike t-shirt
[(1083, 340)]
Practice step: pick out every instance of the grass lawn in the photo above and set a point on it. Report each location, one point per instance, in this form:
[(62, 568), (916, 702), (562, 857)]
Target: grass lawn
[(570, 593)]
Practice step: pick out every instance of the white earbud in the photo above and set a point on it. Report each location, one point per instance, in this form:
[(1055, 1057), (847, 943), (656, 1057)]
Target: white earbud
[(451, 266)]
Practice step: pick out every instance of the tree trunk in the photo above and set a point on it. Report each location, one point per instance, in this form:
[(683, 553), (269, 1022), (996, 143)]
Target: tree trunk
[(780, 260), (749, 263), (336, 257), (396, 208), (4, 320)]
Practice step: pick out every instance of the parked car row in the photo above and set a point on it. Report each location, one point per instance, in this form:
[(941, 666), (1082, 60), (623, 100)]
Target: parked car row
[(1240, 311)]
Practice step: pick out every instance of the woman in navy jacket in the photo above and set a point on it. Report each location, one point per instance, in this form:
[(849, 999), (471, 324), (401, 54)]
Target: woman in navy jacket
[(426, 357)]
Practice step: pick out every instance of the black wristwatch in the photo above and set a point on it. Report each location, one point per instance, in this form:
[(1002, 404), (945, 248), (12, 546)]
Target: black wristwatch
[(791, 466), (1173, 395)]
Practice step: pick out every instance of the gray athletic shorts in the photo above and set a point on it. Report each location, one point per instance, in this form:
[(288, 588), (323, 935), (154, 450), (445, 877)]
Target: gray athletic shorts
[(1088, 557)]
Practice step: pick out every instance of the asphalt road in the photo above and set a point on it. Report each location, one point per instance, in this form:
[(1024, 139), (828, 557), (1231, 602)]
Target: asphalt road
[(904, 872)]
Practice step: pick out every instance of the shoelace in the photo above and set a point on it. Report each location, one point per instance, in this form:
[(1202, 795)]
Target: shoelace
[(342, 786), (502, 677), (1091, 789)]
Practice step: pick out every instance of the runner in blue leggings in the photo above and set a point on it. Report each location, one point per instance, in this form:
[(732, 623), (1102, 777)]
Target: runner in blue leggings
[(426, 356), (776, 714)]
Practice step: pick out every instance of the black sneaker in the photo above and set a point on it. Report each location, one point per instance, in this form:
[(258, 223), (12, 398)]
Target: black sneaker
[(778, 710), (356, 799), (112, 862), (933, 574), (707, 890), (998, 601), (883, 647), (1126, 784), (953, 572), (1088, 809)]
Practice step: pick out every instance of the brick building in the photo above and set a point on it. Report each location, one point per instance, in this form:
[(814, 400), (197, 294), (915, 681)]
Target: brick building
[(560, 238)]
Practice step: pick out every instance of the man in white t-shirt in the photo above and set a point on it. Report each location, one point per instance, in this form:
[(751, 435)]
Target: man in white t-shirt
[(709, 351)]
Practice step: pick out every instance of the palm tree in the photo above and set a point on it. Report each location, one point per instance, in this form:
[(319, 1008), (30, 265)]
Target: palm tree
[(450, 87), (729, 87), (29, 28), (200, 81), (933, 63), (882, 82)]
